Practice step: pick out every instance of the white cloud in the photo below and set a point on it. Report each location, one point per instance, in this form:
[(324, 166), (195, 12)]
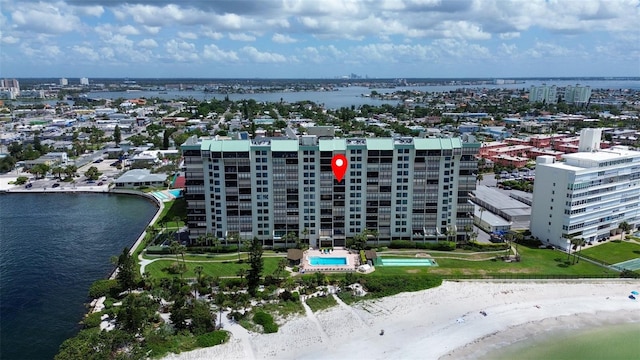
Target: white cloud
[(151, 29), (181, 51), (95, 11), (44, 18), (86, 51), (8, 39), (509, 35), (129, 30), (242, 37), (148, 43), (212, 52), (212, 34), (187, 35), (283, 39), (262, 57)]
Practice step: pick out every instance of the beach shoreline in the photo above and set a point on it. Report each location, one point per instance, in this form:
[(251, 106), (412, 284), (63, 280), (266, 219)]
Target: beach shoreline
[(442, 322)]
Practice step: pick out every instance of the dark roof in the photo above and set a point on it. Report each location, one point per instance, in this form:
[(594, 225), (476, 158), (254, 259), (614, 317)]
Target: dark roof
[(294, 254), (370, 254)]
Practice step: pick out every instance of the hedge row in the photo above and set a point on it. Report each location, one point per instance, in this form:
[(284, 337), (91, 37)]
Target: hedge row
[(475, 246), (406, 244)]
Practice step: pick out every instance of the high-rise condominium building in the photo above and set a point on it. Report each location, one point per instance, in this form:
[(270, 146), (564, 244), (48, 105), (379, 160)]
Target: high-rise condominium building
[(63, 82), (578, 95), (588, 195), (84, 81), (398, 188), (544, 93)]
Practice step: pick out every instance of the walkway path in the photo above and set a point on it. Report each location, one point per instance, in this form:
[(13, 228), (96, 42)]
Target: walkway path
[(241, 334), (348, 308), (311, 316)]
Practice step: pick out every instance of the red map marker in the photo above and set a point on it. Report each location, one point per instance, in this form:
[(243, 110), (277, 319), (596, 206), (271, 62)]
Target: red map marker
[(339, 166)]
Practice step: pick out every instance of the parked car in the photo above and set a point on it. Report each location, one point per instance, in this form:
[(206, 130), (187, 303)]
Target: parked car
[(55, 185), (28, 186), (100, 183), (98, 161)]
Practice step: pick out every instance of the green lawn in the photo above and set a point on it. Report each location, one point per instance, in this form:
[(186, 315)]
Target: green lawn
[(614, 252), (208, 268), (321, 302), (535, 261)]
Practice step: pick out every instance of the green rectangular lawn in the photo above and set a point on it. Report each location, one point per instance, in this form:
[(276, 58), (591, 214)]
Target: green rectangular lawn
[(614, 252), (535, 261), (217, 268)]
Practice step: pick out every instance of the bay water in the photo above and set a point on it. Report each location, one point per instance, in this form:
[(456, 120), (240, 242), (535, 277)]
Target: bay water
[(52, 247)]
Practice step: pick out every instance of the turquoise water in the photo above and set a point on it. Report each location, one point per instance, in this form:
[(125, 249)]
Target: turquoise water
[(318, 261), (175, 192), (407, 262), (604, 342)]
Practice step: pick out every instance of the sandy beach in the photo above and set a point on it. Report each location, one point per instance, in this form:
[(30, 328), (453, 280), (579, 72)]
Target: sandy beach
[(444, 322)]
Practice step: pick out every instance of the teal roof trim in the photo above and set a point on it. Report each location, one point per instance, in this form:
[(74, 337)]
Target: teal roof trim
[(333, 145), (380, 144), (284, 145)]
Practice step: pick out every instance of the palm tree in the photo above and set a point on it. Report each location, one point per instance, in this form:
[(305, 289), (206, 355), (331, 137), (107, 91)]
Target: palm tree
[(579, 243), (176, 219), (497, 177), (305, 235), (451, 233), (375, 233), (625, 227), (467, 229), (479, 177), (282, 264), (574, 244)]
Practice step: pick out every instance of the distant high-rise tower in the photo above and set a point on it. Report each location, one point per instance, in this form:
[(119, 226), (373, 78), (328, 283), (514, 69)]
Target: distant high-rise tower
[(544, 93), (9, 83), (9, 88), (84, 81), (64, 82), (578, 95)]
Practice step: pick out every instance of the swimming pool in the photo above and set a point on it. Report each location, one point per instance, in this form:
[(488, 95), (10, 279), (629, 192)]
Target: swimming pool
[(175, 192), (407, 262), (324, 261)]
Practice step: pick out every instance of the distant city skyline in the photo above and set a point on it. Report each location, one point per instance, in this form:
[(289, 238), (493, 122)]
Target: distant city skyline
[(319, 39)]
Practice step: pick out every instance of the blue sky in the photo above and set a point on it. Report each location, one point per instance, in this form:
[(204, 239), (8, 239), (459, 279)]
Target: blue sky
[(319, 38)]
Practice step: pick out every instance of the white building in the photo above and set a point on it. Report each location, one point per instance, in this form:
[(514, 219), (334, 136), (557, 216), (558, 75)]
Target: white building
[(63, 82), (84, 81), (578, 95), (9, 88), (401, 188), (588, 194), (544, 93), (138, 178)]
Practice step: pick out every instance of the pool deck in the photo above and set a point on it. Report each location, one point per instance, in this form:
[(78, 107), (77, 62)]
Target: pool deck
[(353, 260)]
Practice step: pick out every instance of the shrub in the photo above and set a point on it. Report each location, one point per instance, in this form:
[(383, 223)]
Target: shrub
[(103, 287), (407, 244), (626, 273), (212, 338), (475, 246), (363, 257), (92, 320), (266, 320)]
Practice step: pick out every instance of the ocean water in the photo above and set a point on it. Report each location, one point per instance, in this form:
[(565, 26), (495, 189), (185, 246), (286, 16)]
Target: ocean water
[(52, 247), (610, 342)]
